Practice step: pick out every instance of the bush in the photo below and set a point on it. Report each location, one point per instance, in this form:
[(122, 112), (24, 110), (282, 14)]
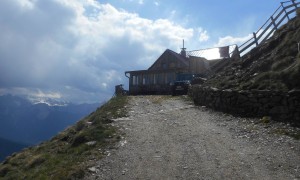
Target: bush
[(79, 139), (4, 170), (283, 63), (35, 161)]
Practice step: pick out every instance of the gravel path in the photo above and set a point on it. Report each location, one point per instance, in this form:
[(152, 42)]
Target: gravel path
[(170, 138)]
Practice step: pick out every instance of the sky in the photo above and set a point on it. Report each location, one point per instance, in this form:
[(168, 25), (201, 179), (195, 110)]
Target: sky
[(78, 50)]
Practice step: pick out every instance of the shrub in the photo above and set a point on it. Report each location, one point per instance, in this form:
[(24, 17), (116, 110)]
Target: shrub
[(4, 170), (35, 161), (79, 139), (282, 63)]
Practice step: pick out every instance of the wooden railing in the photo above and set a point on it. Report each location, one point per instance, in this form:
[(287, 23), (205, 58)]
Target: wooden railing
[(282, 15)]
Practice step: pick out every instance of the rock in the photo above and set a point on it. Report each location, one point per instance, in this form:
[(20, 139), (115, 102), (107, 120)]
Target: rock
[(89, 123), (93, 169), (214, 89), (124, 171), (91, 143), (294, 92)]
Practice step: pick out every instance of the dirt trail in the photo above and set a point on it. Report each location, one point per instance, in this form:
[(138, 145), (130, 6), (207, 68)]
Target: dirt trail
[(170, 138)]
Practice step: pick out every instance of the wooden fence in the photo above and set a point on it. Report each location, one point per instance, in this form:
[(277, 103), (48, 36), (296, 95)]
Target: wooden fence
[(283, 14)]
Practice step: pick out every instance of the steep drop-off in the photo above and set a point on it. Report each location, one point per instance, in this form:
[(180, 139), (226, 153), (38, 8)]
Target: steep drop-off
[(68, 154)]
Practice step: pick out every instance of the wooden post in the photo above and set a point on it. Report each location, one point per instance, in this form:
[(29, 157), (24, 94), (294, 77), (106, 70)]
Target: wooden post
[(286, 15), (255, 39), (294, 4), (274, 23)]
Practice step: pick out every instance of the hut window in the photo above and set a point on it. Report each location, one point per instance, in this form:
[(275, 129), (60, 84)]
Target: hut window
[(170, 77), (144, 81), (133, 80), (160, 79), (172, 65)]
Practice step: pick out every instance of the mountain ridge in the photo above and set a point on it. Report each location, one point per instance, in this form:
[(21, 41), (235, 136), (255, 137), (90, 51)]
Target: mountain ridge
[(23, 123)]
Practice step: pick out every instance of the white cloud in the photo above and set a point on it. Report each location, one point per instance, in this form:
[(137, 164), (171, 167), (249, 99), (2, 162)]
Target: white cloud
[(141, 2), (156, 3), (52, 95), (203, 35), (77, 49), (104, 85), (230, 40), (31, 92), (172, 14), (26, 4)]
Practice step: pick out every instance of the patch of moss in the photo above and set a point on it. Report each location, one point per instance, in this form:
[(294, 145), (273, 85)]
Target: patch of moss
[(35, 161), (265, 119), (283, 63), (293, 134), (160, 99)]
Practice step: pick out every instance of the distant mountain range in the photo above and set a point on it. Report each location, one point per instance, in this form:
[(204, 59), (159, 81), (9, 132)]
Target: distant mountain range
[(29, 123)]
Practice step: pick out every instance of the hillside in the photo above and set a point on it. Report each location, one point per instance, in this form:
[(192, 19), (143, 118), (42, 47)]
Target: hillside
[(67, 155), (7, 147), (23, 121), (273, 65)]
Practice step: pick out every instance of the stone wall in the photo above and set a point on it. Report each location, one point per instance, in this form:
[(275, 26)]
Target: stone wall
[(280, 106)]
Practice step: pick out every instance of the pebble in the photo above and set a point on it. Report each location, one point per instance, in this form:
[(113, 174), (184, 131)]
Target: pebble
[(93, 169), (91, 143)]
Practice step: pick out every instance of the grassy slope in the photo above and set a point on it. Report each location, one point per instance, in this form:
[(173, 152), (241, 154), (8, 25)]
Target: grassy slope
[(273, 65), (66, 156)]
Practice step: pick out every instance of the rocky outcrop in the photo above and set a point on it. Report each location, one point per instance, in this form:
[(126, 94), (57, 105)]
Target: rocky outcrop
[(280, 106)]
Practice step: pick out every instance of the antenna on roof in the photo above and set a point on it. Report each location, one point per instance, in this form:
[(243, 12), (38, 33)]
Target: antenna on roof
[(183, 52), (183, 45)]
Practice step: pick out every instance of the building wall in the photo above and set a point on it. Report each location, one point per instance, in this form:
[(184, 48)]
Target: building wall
[(198, 65), (151, 82)]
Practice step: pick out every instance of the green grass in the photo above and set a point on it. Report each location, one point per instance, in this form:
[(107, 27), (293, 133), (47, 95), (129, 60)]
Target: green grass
[(293, 134), (283, 63), (67, 156), (160, 99)]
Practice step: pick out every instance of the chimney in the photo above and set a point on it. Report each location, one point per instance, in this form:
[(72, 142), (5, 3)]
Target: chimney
[(183, 52)]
